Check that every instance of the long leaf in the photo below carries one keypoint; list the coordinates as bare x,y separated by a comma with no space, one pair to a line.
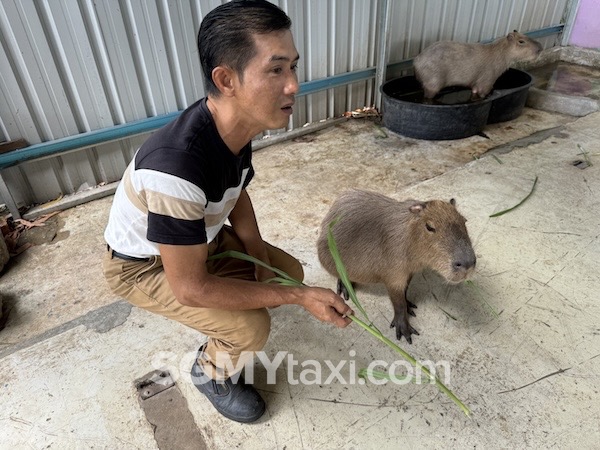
341,269
283,281
379,375
518,204
481,296
252,259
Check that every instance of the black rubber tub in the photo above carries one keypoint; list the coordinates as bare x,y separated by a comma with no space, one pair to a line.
512,87
447,117
452,114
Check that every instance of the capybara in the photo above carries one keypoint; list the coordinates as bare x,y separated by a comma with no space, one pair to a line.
382,240
477,66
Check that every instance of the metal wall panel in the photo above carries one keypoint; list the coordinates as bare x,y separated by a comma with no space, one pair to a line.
71,66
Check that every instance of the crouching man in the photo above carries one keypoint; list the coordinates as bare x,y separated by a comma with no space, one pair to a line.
169,211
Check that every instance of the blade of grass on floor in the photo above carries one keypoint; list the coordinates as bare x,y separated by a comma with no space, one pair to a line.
379,375
585,155
481,297
518,204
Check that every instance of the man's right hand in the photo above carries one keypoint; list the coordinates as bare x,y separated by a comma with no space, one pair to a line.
326,306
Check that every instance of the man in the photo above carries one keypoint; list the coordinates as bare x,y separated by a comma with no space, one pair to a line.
169,212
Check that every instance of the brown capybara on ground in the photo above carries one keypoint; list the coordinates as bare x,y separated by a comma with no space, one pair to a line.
382,240
477,66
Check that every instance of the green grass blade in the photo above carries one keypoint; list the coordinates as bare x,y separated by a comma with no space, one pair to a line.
248,258
518,204
585,155
481,297
379,375
283,281
450,316
339,265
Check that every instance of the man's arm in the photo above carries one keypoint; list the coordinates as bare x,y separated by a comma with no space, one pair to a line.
243,222
185,268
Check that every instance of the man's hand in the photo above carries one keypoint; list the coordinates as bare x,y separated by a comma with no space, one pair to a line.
326,306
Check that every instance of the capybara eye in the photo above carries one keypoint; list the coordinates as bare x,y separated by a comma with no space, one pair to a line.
521,41
429,227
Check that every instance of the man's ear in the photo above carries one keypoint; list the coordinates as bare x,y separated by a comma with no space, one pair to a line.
223,78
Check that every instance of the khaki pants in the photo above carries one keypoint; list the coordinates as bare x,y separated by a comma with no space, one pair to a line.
145,285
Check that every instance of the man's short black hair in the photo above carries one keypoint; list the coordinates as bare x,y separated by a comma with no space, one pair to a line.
225,36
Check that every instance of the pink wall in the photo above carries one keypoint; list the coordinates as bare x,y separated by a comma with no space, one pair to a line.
586,29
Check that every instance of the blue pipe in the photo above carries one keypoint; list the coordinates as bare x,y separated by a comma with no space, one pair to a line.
86,139
543,32
536,34
310,87
104,135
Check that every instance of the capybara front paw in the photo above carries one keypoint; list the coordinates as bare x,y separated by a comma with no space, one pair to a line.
409,308
403,328
341,290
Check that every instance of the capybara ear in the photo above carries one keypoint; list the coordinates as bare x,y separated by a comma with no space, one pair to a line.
417,207
453,202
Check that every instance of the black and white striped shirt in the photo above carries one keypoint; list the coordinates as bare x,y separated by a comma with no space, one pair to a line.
179,188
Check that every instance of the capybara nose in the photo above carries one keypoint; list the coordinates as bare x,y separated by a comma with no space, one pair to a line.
464,263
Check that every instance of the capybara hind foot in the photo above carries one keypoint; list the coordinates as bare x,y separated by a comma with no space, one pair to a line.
403,328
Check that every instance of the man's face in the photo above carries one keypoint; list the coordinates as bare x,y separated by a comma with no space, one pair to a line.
266,94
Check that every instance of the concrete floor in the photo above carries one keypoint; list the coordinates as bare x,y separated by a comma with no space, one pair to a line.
523,345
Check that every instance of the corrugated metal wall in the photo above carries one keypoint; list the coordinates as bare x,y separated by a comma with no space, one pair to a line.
71,66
